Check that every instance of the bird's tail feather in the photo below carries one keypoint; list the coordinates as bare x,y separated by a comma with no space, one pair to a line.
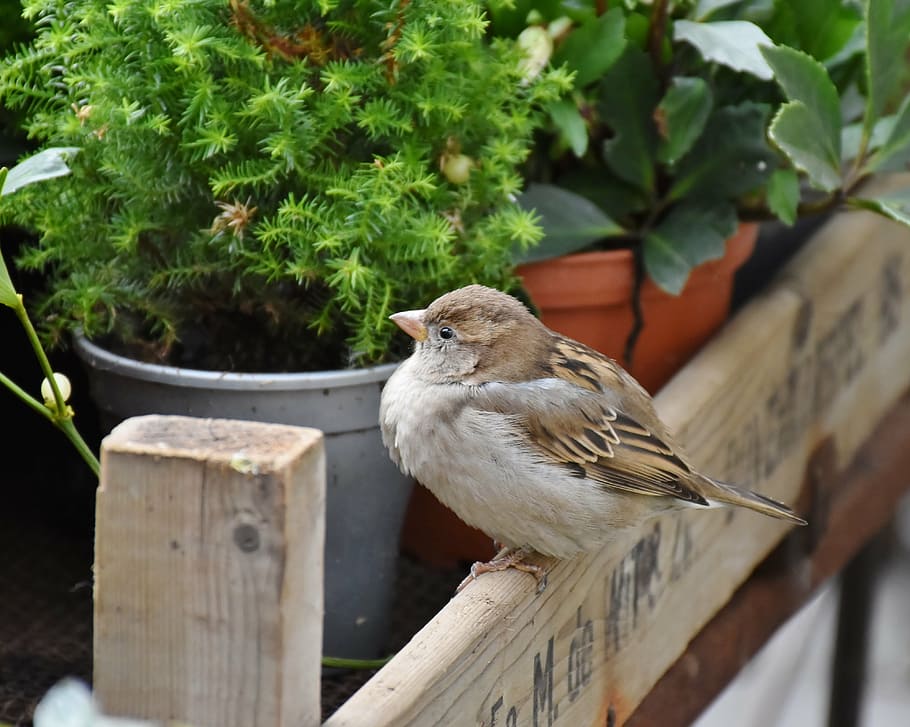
727,494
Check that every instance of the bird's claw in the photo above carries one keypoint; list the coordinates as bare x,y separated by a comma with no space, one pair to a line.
505,559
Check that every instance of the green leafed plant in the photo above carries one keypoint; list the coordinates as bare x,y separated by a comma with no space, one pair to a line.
261,183
687,118
55,390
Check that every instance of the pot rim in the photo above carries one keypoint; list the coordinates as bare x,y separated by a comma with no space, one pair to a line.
105,360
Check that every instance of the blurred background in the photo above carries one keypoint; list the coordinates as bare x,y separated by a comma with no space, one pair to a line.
789,682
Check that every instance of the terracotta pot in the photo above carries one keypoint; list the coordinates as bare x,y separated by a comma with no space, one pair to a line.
587,297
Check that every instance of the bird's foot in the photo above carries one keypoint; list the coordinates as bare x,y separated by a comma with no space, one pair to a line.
507,558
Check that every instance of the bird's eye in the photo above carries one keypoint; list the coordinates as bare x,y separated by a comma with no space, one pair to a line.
446,333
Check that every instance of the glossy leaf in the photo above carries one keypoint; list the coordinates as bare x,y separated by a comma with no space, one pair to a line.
821,28
797,132
628,95
681,117
8,295
783,195
570,124
732,43
704,8
45,164
804,79
894,150
7,291
894,206
730,158
887,38
591,48
690,235
569,221
851,137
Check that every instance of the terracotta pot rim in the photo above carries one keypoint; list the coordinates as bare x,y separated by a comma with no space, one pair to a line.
617,272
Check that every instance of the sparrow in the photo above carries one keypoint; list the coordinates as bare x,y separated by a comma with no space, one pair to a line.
535,439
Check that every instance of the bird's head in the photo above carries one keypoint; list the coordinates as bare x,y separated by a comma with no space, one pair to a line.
475,335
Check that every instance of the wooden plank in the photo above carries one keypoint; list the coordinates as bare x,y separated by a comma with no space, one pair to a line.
208,572
821,354
861,505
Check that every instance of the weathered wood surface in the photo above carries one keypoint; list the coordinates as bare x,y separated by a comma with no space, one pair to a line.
820,356
848,510
208,572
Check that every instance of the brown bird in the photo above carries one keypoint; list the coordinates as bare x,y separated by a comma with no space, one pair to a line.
535,439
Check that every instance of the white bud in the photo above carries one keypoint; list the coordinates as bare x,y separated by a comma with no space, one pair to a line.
63,383
457,168
538,47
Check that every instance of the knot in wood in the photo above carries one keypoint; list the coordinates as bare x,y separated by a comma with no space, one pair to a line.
246,537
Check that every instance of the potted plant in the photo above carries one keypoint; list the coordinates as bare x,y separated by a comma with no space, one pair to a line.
689,123
260,184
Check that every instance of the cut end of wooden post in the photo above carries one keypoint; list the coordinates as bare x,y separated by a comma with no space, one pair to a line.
240,444
209,544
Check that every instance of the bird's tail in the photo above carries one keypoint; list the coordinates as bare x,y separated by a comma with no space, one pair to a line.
727,494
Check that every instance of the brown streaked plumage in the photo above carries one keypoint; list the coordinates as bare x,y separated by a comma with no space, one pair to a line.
535,439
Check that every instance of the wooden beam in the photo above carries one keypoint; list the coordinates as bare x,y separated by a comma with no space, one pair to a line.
208,572
820,356
861,505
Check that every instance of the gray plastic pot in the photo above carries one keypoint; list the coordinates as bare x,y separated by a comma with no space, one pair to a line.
366,494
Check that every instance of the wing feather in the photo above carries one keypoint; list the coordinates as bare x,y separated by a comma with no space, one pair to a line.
574,418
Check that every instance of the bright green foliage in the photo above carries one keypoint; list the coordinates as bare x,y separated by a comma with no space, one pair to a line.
270,167
699,114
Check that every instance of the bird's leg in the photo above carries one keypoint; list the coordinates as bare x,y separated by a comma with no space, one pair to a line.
507,558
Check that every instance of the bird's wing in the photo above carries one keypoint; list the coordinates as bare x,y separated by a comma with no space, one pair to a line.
575,418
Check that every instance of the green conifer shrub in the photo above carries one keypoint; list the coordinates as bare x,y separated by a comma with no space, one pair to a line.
261,183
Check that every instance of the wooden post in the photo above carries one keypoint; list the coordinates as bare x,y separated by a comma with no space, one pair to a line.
208,572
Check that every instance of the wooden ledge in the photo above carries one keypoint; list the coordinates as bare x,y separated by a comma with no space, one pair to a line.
861,503
812,365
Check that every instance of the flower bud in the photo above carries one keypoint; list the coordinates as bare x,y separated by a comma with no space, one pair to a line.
47,393
457,168
538,47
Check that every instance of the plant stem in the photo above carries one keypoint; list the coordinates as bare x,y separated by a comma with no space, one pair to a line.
69,429
656,31
62,415
29,400
342,663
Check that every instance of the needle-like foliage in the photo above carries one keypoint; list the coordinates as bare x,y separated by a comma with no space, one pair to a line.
269,180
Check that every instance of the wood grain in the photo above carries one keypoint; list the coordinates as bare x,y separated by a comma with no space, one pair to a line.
208,572
821,355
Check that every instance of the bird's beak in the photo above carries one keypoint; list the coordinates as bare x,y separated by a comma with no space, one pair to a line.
411,322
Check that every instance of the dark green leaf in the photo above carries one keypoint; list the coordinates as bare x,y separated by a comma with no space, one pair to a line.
45,164
805,79
617,198
854,46
704,8
887,37
682,114
732,43
689,235
895,149
628,96
730,158
796,130
592,48
895,205
783,195
7,290
851,137
821,28
570,222
572,128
